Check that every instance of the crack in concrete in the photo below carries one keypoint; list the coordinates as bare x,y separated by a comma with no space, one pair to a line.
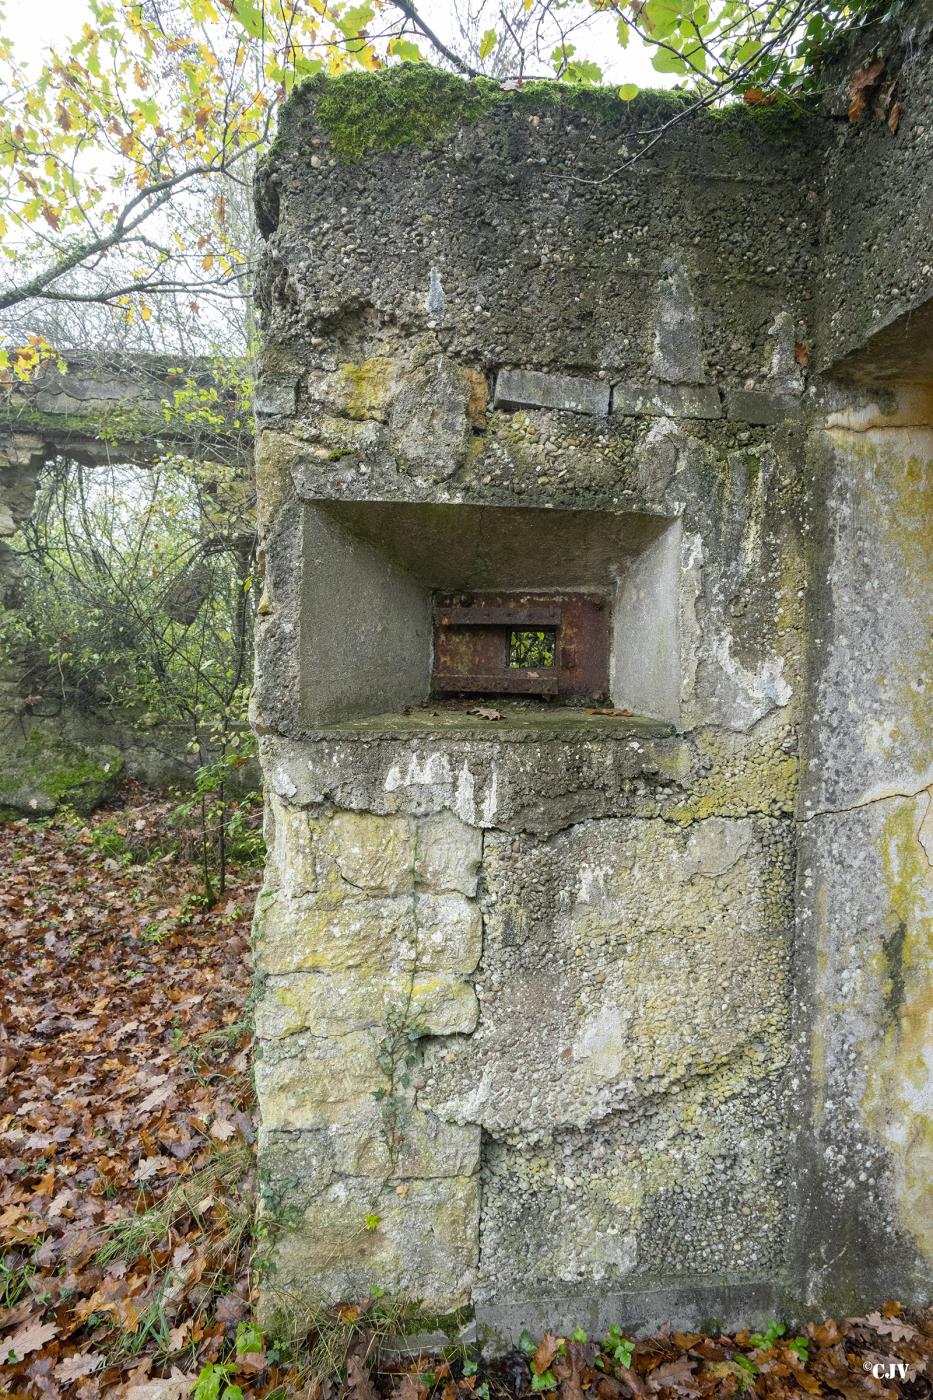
925,787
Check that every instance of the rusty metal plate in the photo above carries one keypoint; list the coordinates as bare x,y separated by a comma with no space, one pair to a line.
473,635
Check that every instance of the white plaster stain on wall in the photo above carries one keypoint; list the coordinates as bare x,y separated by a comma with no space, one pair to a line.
420,772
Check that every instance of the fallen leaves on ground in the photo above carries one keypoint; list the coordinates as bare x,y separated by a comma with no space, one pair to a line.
125,1060
124,1053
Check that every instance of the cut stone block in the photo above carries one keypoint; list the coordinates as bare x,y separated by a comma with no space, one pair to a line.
306,1082
333,1003
449,854
373,853
358,1146
425,1243
678,352
759,406
274,396
440,933
667,400
529,388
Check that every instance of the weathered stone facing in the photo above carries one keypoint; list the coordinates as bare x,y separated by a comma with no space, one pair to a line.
619,877
525,388
369,923
667,400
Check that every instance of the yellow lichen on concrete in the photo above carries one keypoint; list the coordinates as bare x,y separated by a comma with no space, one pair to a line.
896,448
899,1095
275,454
363,389
735,776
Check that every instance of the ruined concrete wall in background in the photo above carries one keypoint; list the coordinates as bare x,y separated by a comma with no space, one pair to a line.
93,409
530,1036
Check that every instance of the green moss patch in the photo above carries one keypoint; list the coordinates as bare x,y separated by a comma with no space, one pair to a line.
46,772
413,104
408,105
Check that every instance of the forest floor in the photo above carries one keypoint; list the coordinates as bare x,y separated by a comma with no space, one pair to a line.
127,1243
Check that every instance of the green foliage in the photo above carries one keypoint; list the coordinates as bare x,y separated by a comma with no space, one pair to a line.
132,599
762,1341
619,1348
15,1278
213,1381
746,1371
138,606
249,1337
396,1057
769,1336
800,1346
109,841
124,119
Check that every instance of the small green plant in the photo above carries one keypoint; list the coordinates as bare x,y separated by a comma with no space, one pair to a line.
153,1328
213,1383
14,1279
245,843
578,1335
618,1347
109,841
395,1052
249,1338
800,1346
769,1336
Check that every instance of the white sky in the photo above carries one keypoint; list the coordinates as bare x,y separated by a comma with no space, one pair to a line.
33,27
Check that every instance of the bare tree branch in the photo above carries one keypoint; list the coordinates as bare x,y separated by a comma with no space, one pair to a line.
409,11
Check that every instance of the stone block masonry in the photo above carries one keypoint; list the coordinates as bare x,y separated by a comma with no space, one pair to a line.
573,1017
518,388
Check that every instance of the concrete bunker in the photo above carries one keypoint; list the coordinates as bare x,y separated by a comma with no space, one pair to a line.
644,960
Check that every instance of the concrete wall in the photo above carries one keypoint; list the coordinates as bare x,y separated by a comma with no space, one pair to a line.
365,627
646,657
610,939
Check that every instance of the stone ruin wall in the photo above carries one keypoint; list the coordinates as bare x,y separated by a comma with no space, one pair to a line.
662,977
93,409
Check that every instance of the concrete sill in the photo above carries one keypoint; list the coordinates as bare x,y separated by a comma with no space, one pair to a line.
520,721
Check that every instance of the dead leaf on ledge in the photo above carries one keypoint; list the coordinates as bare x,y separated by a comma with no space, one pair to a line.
481,712
613,714
861,84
